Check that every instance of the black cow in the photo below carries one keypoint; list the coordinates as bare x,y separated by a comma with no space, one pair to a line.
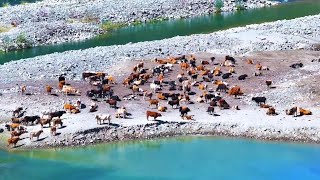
184,111
296,65
56,114
226,75
208,97
30,119
242,77
259,100
174,102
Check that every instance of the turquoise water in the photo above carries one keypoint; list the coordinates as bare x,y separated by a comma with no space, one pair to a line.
15,2
180,158
167,29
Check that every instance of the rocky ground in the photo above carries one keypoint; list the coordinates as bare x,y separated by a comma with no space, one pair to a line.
293,87
56,21
300,33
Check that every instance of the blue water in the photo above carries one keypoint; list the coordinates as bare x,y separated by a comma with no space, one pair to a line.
179,158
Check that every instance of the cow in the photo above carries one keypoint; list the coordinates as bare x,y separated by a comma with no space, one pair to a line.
45,121
174,102
30,119
75,111
223,104
235,91
271,111
48,89
242,77
268,83
69,90
53,131
121,112
184,110
293,111
162,108
210,110
147,94
17,133
69,107
187,117
154,87
204,62
35,134
208,97
56,114
153,114
112,103
23,89
103,117
13,126
61,84
17,112
16,120
296,65
154,102
259,100
249,61
265,106
13,141
226,75
304,112
57,121
222,88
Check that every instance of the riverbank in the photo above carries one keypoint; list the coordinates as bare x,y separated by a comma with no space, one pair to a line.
292,87
300,33
52,21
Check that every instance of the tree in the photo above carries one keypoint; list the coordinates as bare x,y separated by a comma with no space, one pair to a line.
218,4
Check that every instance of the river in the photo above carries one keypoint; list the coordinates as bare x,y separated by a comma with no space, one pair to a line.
177,158
181,27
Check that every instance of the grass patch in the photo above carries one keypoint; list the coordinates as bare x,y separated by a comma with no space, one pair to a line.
6,5
110,26
4,29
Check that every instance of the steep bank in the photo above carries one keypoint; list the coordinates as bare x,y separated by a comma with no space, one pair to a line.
55,21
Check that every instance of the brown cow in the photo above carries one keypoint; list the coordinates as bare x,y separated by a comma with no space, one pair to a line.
48,89
53,131
35,134
112,103
17,133
68,107
271,111
13,141
293,111
45,121
23,89
236,91
153,114
304,112
153,102
56,121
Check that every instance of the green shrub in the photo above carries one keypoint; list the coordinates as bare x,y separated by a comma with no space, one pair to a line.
239,5
110,26
6,5
218,4
21,39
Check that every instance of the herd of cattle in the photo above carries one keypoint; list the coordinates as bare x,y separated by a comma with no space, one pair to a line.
195,81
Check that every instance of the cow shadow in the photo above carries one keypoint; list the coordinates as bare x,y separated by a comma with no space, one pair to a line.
215,114
112,124
55,94
192,93
158,121
62,127
19,145
57,134
41,139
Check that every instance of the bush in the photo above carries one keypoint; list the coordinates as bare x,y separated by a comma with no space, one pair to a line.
110,26
239,5
21,39
218,4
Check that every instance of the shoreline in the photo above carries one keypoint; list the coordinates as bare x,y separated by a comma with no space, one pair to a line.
52,21
174,130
